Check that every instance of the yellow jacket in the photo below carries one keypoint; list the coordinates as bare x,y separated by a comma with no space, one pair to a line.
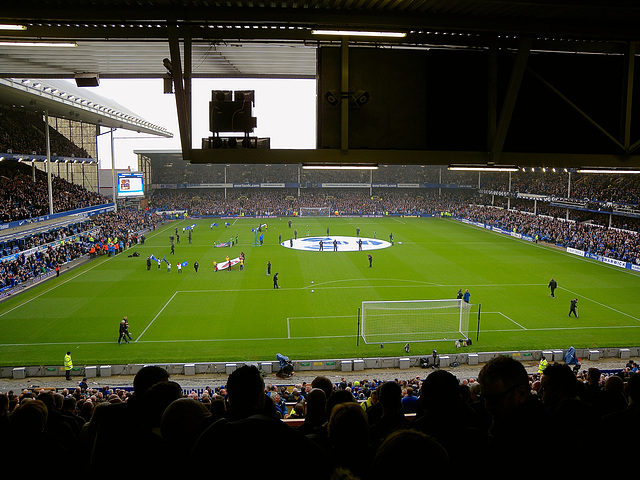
542,365
68,363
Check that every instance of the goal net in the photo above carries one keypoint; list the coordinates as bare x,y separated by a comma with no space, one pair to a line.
414,321
315,211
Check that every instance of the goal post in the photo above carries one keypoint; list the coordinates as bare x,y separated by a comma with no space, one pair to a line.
401,321
315,211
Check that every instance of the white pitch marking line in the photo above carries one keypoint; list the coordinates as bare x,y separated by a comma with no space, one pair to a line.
155,233
55,286
512,321
315,318
553,329
154,318
602,304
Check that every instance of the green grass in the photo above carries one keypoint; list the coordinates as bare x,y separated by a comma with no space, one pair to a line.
238,316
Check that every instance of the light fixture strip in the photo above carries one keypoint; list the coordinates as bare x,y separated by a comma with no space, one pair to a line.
12,27
339,167
38,44
359,33
483,169
606,171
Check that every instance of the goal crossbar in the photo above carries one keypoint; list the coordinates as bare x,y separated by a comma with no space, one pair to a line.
315,211
399,321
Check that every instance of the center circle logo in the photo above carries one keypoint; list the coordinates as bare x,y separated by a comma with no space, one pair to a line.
335,243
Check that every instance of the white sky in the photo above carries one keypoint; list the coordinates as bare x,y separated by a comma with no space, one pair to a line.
285,112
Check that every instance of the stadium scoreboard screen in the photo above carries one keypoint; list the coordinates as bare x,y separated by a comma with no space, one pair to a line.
130,185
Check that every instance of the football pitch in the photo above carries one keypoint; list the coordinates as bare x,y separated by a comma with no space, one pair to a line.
237,315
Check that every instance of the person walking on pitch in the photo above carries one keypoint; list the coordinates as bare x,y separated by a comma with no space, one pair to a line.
122,333
574,307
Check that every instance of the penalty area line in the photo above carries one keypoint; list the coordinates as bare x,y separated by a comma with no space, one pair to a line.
508,318
314,318
512,320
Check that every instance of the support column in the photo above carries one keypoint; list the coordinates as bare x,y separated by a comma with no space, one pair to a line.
48,140
344,98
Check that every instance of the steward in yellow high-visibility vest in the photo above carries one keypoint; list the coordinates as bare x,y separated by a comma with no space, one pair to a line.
68,365
542,365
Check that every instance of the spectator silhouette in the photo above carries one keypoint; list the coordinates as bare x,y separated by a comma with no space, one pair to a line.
392,418
445,417
613,398
182,422
114,422
411,444
620,428
69,411
348,439
592,393
372,406
338,397
566,411
59,428
315,416
515,412
255,429
31,444
323,383
4,415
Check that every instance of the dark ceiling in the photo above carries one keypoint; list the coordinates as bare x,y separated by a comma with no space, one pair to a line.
243,38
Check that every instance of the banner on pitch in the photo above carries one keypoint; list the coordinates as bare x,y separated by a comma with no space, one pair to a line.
225,265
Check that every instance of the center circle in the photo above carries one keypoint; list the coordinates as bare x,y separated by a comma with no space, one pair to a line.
342,244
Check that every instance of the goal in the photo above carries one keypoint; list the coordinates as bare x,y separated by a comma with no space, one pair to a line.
315,211
414,321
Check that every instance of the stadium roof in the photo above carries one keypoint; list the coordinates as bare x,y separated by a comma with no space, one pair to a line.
248,38
120,39
64,99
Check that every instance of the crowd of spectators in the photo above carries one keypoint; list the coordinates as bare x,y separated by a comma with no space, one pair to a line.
22,196
610,242
176,173
355,430
597,188
264,201
94,236
22,132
